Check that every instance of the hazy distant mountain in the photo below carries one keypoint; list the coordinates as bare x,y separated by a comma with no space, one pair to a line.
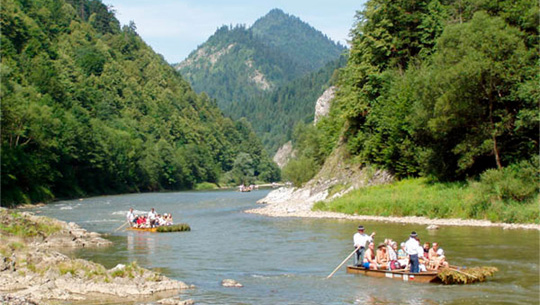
237,63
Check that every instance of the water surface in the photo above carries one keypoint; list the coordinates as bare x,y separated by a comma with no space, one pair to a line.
286,260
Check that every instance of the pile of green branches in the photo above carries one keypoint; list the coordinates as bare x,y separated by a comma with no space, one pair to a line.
175,228
454,275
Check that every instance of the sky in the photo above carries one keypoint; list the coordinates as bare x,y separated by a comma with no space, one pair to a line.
174,28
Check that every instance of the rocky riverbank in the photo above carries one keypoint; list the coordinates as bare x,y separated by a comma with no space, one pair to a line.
33,271
291,202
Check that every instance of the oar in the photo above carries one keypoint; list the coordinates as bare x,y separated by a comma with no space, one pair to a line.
120,227
343,262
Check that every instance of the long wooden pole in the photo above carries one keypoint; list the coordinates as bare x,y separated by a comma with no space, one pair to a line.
467,274
343,262
120,227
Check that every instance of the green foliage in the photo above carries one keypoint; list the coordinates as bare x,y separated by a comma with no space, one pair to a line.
313,147
300,170
89,108
508,195
271,73
21,226
180,227
439,89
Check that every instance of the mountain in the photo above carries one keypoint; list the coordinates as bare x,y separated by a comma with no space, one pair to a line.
88,108
238,62
270,73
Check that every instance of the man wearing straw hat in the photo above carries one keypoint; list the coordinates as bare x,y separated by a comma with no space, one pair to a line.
360,239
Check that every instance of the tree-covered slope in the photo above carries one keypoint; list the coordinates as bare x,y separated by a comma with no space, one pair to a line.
305,45
445,89
274,114
238,62
89,108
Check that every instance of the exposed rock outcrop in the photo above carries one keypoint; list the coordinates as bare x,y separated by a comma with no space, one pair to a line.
284,154
33,272
336,178
322,107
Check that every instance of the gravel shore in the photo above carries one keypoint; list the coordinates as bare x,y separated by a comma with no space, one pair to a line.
289,202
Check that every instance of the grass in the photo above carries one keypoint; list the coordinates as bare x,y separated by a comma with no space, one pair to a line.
204,186
19,225
418,197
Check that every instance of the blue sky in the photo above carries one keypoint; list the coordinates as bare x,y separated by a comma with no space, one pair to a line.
174,28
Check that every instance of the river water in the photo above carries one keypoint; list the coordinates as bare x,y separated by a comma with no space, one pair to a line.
286,260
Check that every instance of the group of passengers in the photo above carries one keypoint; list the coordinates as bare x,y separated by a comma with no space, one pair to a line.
151,220
387,256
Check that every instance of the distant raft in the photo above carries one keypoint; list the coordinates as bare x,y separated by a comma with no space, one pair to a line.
181,227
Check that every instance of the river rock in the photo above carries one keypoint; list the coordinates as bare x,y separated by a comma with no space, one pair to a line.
173,301
231,283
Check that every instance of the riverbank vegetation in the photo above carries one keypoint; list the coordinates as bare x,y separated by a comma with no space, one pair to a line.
88,109
442,90
508,195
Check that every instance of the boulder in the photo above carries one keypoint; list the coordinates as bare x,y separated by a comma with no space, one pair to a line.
231,283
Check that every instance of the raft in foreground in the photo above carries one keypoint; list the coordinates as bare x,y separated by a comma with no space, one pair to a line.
446,275
181,227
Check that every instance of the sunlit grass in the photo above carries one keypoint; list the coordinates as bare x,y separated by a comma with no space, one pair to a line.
418,197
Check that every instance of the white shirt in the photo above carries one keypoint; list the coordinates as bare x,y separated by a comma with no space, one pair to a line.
440,252
152,215
360,240
392,255
411,246
130,216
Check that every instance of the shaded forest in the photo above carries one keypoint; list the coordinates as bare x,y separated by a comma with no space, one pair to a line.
89,108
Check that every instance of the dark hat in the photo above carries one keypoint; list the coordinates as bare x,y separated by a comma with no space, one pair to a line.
413,234
360,228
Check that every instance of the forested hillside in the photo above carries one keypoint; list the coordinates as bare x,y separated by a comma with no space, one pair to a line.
89,108
271,73
446,90
274,114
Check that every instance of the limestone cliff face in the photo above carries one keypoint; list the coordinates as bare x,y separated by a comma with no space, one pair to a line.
284,154
322,107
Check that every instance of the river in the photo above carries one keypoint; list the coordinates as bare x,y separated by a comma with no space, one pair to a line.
286,260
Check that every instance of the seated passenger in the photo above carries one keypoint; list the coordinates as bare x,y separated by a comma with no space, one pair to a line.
403,258
369,257
382,257
437,258
423,262
426,251
169,220
160,221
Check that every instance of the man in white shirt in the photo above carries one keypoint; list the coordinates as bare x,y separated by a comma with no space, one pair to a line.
360,239
152,217
130,217
412,246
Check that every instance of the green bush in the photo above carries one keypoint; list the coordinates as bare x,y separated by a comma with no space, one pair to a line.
517,182
300,170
